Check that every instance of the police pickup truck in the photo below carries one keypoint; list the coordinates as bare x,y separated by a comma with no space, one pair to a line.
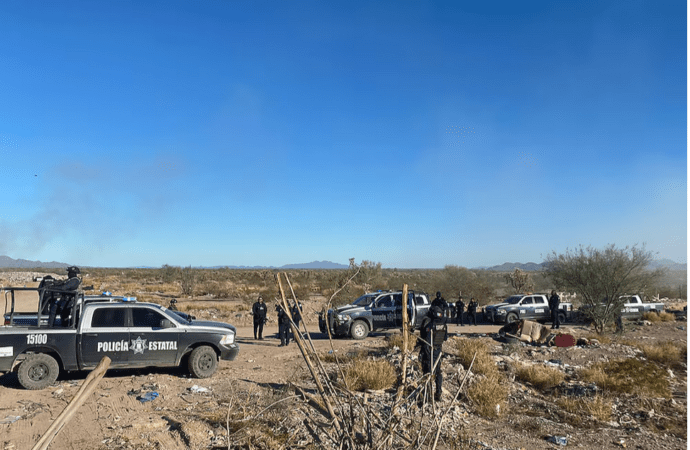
526,306
631,307
374,311
131,334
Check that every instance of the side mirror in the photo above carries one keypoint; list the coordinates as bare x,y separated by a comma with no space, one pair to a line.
165,323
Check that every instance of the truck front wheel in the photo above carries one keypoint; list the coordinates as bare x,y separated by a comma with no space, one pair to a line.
511,317
203,362
359,330
38,371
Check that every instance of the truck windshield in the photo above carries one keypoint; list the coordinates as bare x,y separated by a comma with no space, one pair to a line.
514,299
364,300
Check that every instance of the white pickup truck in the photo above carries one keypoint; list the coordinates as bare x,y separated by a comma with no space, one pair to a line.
634,307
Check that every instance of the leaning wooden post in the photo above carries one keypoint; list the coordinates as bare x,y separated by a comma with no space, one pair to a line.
404,336
300,344
66,415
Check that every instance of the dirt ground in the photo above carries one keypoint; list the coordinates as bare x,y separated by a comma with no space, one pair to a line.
190,413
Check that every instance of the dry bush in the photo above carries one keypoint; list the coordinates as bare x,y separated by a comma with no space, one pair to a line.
483,363
489,395
632,376
602,338
364,374
597,407
396,340
667,353
541,377
667,316
651,317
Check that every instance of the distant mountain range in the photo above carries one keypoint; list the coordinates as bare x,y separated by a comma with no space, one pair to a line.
532,267
7,262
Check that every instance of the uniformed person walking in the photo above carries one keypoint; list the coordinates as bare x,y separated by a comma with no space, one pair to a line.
283,326
296,312
259,311
460,311
472,311
433,333
554,303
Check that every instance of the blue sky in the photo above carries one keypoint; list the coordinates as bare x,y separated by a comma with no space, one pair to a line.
415,134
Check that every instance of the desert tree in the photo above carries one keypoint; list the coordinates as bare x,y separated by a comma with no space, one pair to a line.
187,280
520,280
601,276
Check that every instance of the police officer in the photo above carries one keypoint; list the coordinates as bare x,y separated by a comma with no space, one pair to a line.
296,312
554,303
64,301
259,311
173,305
283,326
433,333
459,311
472,311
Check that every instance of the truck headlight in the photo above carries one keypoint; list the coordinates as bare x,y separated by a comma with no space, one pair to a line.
500,312
343,317
228,339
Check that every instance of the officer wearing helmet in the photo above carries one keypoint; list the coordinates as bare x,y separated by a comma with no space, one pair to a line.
433,333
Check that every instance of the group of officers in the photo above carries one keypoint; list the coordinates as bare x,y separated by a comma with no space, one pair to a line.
260,313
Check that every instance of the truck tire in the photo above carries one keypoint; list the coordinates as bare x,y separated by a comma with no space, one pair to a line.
38,371
202,362
359,330
561,318
511,317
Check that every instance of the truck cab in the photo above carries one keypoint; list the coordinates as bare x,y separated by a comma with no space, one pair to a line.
525,306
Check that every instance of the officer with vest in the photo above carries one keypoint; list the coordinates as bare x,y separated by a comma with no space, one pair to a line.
472,311
63,302
460,311
296,312
259,311
554,304
283,326
433,333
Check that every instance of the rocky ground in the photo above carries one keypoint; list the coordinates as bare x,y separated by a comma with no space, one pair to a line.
252,403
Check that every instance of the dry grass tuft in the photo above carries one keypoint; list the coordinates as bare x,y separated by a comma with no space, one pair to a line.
483,363
597,407
642,378
667,353
396,340
539,376
651,317
364,374
489,395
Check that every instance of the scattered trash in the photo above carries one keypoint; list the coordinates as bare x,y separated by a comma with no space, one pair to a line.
10,419
198,389
148,397
558,440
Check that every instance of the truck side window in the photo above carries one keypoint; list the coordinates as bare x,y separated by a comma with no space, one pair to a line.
144,317
385,302
108,318
528,301
397,299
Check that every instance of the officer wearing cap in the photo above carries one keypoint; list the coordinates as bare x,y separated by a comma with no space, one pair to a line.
433,333
259,312
283,326
296,312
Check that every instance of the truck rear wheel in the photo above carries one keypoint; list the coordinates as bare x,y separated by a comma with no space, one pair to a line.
203,362
561,318
359,330
38,371
511,317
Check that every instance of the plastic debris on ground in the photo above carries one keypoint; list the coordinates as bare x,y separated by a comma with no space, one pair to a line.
148,397
558,440
198,389
10,419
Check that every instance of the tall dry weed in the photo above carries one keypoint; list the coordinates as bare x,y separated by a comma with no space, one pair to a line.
541,377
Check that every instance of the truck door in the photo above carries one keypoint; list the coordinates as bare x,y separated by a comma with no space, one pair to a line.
104,334
151,343
383,312
541,308
527,308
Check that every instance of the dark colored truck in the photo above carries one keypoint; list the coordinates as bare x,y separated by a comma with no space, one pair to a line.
526,306
131,334
374,311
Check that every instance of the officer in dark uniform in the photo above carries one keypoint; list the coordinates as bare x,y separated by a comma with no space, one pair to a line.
433,333
283,326
440,302
472,311
619,321
64,301
48,296
459,311
259,311
173,305
554,303
296,312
